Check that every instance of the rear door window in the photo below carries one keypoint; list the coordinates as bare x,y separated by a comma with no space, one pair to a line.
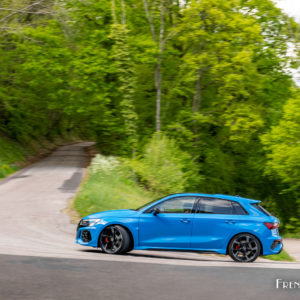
220,206
215,206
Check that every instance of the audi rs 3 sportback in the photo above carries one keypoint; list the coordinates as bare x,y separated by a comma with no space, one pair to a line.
221,224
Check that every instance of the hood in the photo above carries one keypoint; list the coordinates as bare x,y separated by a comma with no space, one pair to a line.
120,213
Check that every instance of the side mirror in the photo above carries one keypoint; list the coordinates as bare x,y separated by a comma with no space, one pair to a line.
155,211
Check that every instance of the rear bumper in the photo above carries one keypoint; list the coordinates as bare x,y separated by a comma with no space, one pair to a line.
281,248
272,246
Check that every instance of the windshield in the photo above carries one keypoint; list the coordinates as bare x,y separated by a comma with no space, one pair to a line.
145,205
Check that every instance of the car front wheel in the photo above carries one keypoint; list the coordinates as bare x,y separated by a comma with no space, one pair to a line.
114,240
244,248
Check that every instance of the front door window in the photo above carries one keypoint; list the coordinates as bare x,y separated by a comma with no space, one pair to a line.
181,205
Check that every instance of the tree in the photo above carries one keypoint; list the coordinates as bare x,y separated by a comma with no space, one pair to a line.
282,145
123,67
156,14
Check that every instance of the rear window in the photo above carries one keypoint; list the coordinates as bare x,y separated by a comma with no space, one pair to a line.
261,209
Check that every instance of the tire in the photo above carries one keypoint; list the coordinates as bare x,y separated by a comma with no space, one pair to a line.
244,247
114,239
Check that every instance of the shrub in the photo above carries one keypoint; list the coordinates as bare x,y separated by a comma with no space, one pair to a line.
164,168
6,170
110,185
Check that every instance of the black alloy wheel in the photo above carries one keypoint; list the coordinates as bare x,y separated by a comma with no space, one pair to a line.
244,248
114,240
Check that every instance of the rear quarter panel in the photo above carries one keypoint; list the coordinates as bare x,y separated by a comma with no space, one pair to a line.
253,223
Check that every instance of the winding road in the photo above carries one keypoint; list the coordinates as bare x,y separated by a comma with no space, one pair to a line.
39,259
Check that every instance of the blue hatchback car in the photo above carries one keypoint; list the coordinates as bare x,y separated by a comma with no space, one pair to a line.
221,224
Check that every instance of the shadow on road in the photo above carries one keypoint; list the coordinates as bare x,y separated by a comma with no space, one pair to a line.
203,257
159,256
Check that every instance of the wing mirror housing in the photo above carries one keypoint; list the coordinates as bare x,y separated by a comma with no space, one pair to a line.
155,211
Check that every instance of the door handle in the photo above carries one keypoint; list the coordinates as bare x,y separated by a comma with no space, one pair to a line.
230,221
185,220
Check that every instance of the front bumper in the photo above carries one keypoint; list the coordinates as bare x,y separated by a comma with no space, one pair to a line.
88,236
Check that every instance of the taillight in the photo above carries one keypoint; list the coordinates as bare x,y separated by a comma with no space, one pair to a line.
271,225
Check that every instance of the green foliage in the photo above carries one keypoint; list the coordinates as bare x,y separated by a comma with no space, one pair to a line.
229,111
282,144
292,235
123,68
293,225
164,168
110,185
283,160
6,170
10,154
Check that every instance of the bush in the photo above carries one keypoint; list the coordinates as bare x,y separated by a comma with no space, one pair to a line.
104,164
6,170
116,183
164,168
10,153
110,185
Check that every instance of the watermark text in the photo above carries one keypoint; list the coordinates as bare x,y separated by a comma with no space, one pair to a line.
287,284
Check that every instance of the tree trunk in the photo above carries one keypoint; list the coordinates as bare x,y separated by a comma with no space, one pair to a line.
123,12
196,103
197,96
113,11
149,19
157,72
158,75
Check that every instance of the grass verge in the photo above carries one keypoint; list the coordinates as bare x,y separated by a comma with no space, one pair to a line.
110,185
14,155
283,256
292,235
11,156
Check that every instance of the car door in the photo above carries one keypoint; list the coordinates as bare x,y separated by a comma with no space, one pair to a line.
171,227
215,220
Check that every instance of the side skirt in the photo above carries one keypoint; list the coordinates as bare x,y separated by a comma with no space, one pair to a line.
214,251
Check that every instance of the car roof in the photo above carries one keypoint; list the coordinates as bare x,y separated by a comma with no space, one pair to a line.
220,196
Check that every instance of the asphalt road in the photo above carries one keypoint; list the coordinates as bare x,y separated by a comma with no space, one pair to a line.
39,259
37,278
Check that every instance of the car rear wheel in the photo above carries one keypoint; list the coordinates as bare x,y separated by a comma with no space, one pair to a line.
244,248
114,240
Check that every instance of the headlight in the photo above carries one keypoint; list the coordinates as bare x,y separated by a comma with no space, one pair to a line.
90,222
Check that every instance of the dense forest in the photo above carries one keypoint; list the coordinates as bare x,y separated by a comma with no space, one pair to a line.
203,85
